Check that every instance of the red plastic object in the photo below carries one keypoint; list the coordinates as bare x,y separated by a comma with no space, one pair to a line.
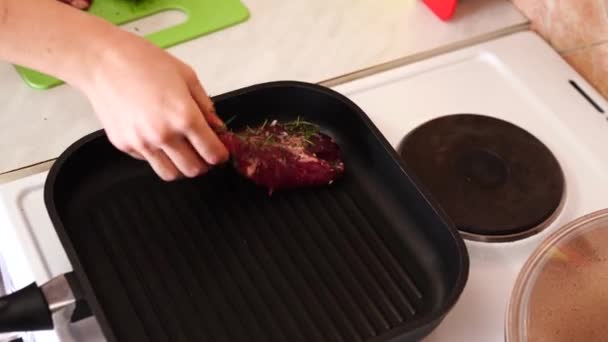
444,9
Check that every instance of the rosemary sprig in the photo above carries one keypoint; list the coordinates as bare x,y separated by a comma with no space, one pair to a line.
298,123
307,141
305,129
269,139
227,122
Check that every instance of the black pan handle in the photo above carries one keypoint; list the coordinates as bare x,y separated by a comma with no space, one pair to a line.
25,310
32,307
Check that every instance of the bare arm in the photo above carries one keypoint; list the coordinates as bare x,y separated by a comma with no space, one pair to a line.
152,105
51,37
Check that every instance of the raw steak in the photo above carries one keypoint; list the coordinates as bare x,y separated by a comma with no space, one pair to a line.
282,156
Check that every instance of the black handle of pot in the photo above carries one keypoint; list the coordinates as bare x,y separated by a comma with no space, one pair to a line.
25,310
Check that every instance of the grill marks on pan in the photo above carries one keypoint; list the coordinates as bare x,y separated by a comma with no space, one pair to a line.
149,261
309,260
384,314
311,268
249,256
129,275
227,307
336,274
368,236
296,288
185,269
230,247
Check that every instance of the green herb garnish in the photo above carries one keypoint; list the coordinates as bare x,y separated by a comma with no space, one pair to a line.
264,124
227,122
269,139
304,128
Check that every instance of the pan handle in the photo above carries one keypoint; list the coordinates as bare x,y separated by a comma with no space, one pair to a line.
31,308
25,310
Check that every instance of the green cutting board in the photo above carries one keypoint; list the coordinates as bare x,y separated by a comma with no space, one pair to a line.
204,16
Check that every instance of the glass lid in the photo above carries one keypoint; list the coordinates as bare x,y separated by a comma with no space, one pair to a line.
561,294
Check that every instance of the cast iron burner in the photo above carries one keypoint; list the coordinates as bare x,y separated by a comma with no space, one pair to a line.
496,181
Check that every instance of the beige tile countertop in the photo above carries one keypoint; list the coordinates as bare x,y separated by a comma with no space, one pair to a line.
313,40
578,30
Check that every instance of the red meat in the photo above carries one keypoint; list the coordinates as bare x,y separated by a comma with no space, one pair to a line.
284,156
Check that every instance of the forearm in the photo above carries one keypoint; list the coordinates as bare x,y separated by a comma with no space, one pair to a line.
53,38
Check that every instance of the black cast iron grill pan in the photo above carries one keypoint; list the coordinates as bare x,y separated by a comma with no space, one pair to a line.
216,258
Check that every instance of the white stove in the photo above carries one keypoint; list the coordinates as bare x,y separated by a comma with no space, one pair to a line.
518,78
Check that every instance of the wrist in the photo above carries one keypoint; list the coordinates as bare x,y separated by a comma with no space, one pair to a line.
97,48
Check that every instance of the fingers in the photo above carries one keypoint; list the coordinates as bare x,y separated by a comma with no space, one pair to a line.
206,143
174,132
202,135
170,160
185,158
124,146
205,104
183,145
161,164
172,151
135,155
199,130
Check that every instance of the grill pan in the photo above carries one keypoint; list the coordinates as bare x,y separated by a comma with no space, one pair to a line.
369,258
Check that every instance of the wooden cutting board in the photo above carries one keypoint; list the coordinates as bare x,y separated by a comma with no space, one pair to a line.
204,17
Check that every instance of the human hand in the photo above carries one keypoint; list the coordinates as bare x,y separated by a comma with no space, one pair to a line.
153,107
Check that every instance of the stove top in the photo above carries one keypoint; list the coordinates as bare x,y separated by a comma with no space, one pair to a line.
496,181
518,80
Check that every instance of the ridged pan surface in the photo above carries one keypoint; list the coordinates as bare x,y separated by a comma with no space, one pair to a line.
216,258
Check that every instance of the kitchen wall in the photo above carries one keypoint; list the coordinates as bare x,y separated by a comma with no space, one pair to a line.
578,29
